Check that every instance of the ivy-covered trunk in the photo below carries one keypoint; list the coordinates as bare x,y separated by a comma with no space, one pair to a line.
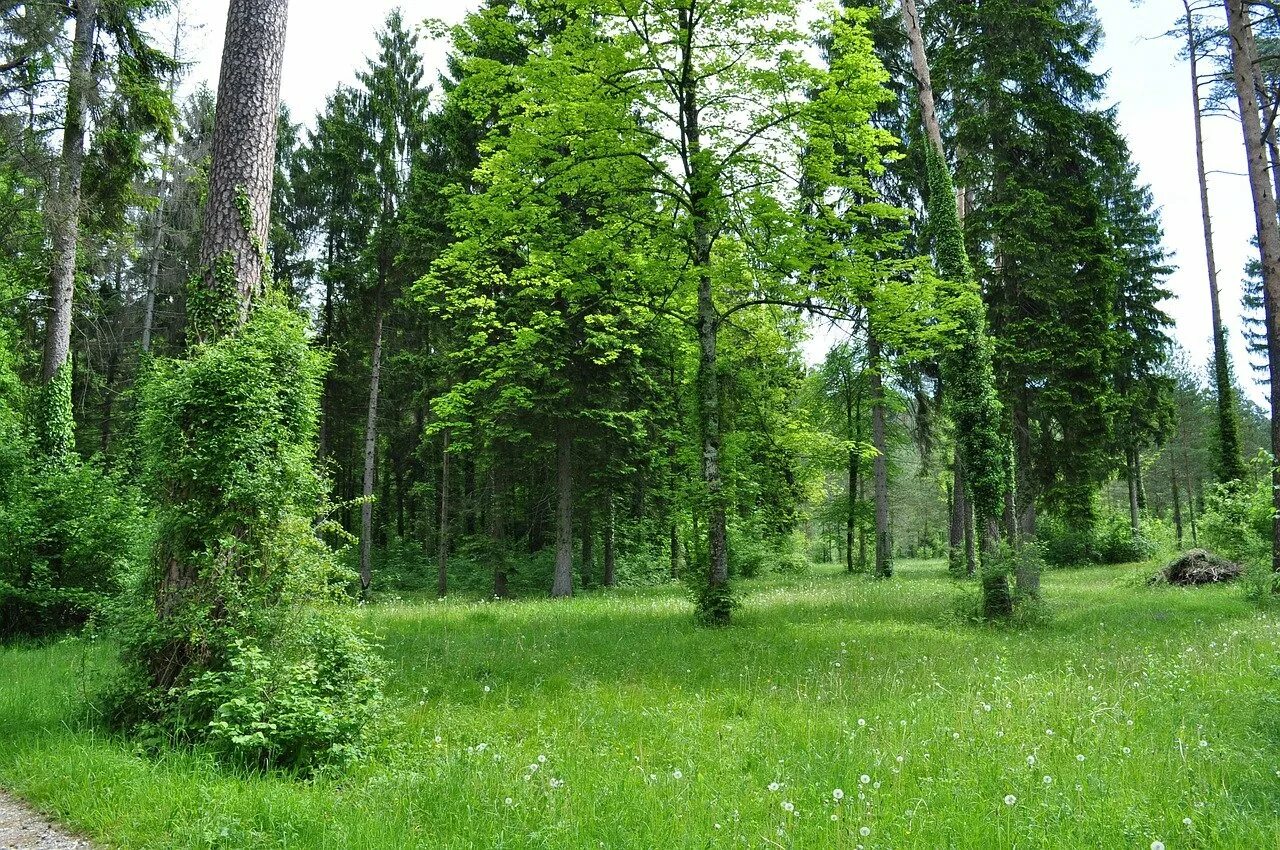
55,429
959,513
967,368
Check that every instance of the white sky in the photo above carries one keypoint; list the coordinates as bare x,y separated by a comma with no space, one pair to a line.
329,39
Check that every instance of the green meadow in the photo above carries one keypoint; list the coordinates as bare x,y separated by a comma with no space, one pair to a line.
838,712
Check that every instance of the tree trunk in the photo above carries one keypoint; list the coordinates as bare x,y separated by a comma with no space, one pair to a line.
157,241
327,389
370,456
1131,476
1177,502
1244,61
233,245
970,547
610,556
563,582
588,545
242,168
880,467
497,537
442,539
55,429
924,80
1230,464
674,531
853,425
959,513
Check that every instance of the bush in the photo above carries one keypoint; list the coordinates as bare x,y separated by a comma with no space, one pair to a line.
70,536
1109,539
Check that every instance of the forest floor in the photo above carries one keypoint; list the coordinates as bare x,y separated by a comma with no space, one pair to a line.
1128,715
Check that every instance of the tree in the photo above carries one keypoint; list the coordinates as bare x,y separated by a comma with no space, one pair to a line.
968,369
1244,63
1231,464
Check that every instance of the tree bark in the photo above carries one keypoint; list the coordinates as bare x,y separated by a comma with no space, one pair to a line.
562,584
370,456
238,211
588,545
1131,476
702,191
880,467
853,423
497,537
959,513
970,547
924,79
1244,61
610,556
1230,464
157,241
1177,502
442,539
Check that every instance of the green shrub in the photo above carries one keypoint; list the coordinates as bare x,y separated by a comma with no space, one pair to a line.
70,536
1115,543
300,702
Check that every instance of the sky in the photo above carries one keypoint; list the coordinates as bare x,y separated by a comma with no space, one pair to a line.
328,40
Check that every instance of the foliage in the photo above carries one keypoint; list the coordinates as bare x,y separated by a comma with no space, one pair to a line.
71,536
301,701
1108,540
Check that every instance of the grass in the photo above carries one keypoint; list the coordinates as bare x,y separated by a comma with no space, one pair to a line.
1142,706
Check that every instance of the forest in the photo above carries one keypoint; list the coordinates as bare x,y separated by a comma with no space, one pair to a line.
665,423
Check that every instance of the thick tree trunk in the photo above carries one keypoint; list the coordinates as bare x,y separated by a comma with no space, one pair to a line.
610,556
370,455
238,211
562,584
1244,61
1230,464
924,80
442,539
880,467
241,172
54,428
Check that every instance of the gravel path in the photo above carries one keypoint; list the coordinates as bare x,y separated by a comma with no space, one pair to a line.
22,828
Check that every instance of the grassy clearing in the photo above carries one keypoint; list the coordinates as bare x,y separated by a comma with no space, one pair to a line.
1127,712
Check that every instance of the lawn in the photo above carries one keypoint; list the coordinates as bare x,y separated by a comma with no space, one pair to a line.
1130,715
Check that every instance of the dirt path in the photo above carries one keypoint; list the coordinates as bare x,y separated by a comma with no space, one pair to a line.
23,828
